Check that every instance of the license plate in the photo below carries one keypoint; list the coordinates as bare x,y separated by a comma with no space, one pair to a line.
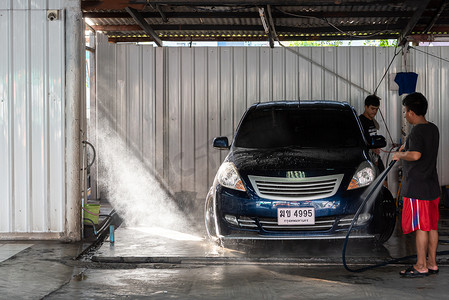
296,216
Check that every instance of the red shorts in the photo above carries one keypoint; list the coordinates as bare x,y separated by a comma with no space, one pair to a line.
419,214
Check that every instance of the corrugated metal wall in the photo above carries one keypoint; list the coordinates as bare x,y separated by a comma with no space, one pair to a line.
433,83
32,103
169,103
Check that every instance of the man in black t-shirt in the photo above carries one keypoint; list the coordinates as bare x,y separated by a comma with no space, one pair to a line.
420,186
370,126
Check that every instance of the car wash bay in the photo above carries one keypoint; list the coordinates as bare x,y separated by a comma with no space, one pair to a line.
152,122
158,110
160,249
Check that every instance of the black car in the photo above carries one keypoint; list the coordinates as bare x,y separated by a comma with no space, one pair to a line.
297,170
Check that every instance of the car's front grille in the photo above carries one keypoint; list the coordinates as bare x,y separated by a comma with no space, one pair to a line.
281,188
321,224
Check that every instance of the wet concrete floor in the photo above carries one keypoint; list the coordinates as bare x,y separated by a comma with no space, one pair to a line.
154,244
48,271
159,263
250,282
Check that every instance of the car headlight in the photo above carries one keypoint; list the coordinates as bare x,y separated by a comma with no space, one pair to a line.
364,175
228,177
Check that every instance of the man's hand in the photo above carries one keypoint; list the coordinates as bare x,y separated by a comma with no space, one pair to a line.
396,156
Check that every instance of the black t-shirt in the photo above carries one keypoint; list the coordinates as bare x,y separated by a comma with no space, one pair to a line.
369,127
420,179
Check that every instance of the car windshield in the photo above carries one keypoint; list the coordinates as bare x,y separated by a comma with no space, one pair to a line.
304,128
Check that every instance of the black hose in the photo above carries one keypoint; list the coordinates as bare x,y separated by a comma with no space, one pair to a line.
93,159
113,219
371,192
93,224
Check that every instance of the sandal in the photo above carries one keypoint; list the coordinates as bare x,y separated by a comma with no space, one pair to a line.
434,271
411,272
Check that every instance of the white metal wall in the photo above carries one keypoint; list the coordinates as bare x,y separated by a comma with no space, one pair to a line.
32,103
169,103
433,83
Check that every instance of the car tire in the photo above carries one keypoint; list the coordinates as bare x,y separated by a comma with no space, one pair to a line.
384,217
209,218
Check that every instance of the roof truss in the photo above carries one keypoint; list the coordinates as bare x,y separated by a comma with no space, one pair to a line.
224,20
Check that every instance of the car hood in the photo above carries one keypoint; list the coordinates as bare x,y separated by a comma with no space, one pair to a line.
248,160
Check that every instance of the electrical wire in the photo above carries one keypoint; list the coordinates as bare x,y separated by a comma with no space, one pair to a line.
386,72
377,87
332,25
320,65
350,34
443,59
299,16
396,52
231,9
388,68
386,127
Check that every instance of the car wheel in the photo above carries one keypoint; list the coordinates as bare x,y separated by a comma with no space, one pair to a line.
385,217
209,218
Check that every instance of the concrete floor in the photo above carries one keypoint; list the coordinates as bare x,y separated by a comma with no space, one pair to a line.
250,281
159,263
48,271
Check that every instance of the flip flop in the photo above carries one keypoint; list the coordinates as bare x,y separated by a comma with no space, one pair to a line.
434,271
411,272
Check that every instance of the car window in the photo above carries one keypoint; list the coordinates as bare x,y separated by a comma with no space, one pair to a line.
305,128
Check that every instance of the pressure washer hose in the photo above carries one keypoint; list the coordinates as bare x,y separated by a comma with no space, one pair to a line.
371,192
379,181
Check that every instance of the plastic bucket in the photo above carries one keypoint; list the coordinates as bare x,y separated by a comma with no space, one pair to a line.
91,212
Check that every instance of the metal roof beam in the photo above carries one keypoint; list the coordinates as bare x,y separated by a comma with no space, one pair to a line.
435,18
265,2
266,27
145,26
110,4
87,5
422,4
237,39
163,16
255,28
435,30
243,15
273,33
117,27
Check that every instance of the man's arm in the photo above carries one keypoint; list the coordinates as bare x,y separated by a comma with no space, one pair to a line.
407,155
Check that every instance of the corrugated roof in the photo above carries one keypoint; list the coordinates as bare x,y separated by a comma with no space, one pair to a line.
224,20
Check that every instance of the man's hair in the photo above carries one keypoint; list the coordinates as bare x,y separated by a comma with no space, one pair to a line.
372,100
417,103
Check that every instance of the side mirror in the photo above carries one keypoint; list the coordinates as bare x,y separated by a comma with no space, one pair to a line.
221,143
377,141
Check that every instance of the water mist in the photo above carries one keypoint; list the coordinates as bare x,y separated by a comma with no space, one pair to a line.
131,187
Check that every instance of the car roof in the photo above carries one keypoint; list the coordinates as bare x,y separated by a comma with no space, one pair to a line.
310,104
